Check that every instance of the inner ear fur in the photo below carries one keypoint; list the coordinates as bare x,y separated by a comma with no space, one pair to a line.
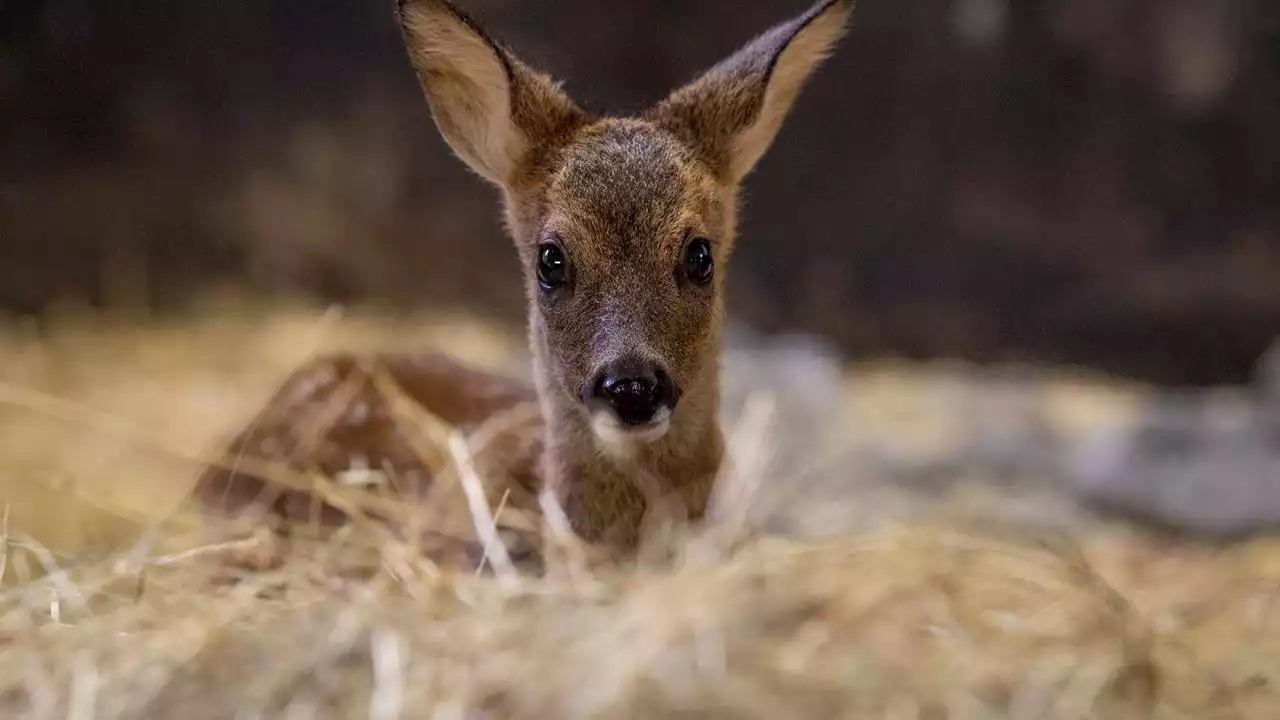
732,112
491,108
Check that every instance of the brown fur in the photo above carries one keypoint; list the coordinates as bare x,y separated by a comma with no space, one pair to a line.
622,197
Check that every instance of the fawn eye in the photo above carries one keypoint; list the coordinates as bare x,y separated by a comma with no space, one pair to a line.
697,261
553,269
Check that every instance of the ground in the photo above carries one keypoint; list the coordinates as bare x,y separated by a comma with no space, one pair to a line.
839,601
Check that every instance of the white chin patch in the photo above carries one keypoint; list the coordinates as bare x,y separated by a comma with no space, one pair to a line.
624,440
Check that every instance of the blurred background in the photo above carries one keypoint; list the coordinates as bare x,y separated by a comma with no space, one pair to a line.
1009,262
1007,255
1071,182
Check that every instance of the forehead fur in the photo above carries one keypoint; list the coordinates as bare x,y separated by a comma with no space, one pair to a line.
628,178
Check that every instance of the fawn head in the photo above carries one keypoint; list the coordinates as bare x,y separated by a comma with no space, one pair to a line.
623,225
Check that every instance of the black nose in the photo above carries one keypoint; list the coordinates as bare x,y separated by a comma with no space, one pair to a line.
634,389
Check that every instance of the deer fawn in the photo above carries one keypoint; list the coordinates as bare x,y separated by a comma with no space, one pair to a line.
624,227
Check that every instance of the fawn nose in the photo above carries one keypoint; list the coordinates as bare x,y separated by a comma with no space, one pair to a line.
635,390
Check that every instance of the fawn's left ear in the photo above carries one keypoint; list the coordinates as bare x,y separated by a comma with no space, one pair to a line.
491,108
732,113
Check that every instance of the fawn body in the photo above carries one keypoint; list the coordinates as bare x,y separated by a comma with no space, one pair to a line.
623,227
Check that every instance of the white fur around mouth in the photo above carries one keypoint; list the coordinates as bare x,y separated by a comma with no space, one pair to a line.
623,439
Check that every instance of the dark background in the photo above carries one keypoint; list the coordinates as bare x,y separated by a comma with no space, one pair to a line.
1092,182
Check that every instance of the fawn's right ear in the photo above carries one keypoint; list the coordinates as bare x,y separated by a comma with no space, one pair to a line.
733,111
490,107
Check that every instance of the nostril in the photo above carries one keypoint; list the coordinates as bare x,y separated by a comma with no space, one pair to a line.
661,380
611,387
658,390
635,387
666,390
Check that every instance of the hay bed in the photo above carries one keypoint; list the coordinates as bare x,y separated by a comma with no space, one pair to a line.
116,603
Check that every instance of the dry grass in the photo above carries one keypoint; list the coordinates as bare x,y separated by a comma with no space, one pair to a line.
117,602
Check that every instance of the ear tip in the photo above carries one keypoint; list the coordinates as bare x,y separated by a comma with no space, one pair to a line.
836,15
841,10
402,4
836,5
404,7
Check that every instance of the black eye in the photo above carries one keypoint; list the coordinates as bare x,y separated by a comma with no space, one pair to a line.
553,269
697,261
